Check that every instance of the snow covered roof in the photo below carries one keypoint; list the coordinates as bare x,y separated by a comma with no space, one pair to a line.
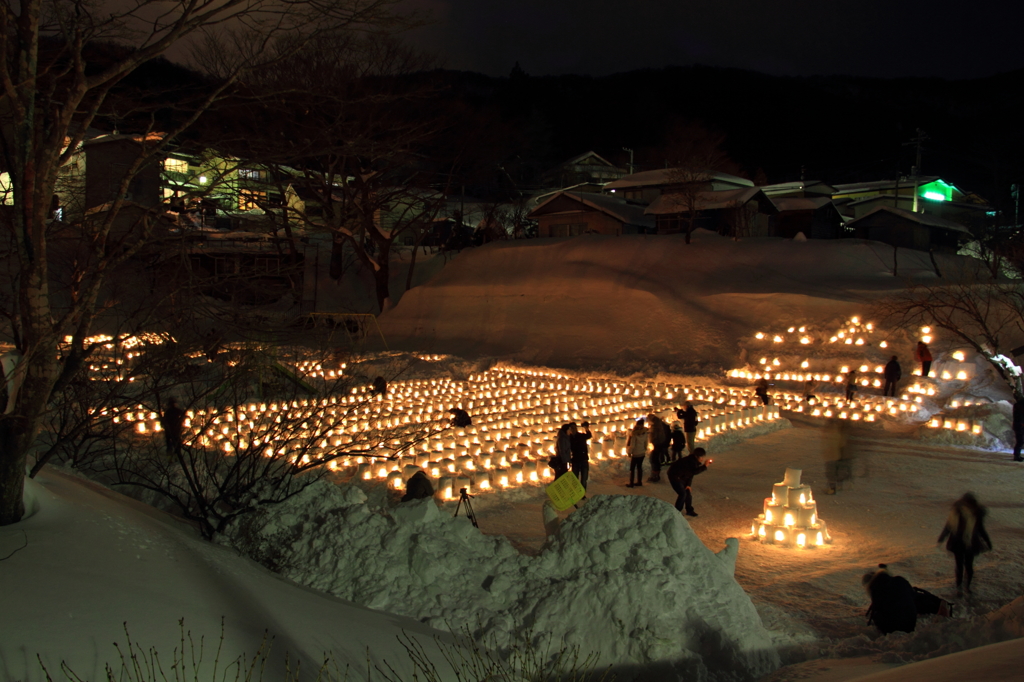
667,204
620,209
809,186
905,182
800,203
671,176
926,219
589,155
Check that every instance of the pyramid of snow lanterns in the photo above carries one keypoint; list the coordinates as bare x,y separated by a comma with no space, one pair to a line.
790,515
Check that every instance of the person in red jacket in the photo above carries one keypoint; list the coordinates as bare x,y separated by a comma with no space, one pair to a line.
924,356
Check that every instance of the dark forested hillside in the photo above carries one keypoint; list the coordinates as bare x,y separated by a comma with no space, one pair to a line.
838,128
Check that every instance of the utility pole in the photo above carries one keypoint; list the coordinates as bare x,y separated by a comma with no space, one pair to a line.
631,167
916,171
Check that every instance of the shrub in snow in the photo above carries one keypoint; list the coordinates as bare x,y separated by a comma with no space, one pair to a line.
626,579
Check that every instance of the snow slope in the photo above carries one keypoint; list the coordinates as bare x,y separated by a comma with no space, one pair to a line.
636,299
93,559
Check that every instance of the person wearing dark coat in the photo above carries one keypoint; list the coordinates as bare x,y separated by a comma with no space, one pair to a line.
1018,427
690,421
851,384
965,537
660,436
460,418
761,390
172,422
579,453
893,608
380,387
680,475
678,442
892,374
418,487
563,449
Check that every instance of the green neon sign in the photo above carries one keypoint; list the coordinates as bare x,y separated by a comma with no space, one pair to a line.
936,191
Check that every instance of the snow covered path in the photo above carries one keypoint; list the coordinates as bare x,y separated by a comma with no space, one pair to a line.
891,512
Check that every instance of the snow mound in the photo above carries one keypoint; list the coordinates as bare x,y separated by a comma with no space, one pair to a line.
626,579
629,301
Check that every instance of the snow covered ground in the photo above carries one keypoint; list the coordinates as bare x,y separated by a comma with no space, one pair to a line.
633,305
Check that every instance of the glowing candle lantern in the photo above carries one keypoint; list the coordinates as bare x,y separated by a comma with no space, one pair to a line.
961,375
780,535
959,356
801,540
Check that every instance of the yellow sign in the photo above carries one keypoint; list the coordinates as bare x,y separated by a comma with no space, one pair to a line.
566,491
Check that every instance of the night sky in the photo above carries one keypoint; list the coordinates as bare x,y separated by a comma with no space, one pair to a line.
881,38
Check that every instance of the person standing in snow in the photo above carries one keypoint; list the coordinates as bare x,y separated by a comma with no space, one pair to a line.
965,530
851,384
680,476
579,453
892,373
810,386
678,441
563,449
1018,427
172,422
690,421
380,387
761,390
636,444
660,437
924,356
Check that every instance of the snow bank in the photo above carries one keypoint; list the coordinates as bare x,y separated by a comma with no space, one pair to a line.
87,562
626,579
624,301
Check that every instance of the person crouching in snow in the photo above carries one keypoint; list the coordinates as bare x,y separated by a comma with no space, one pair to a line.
636,445
681,474
965,530
892,602
418,487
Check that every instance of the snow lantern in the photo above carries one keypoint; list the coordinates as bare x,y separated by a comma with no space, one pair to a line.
790,515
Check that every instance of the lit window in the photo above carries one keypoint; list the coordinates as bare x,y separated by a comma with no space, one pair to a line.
175,165
249,174
250,199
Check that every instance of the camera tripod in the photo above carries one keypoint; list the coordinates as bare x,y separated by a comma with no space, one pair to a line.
470,514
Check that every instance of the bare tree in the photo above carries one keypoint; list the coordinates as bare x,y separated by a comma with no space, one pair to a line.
59,64
696,155
356,152
985,314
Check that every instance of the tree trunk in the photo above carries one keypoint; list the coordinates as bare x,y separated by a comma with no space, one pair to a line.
382,274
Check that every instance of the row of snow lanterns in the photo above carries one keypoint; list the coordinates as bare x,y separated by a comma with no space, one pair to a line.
498,469
616,400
